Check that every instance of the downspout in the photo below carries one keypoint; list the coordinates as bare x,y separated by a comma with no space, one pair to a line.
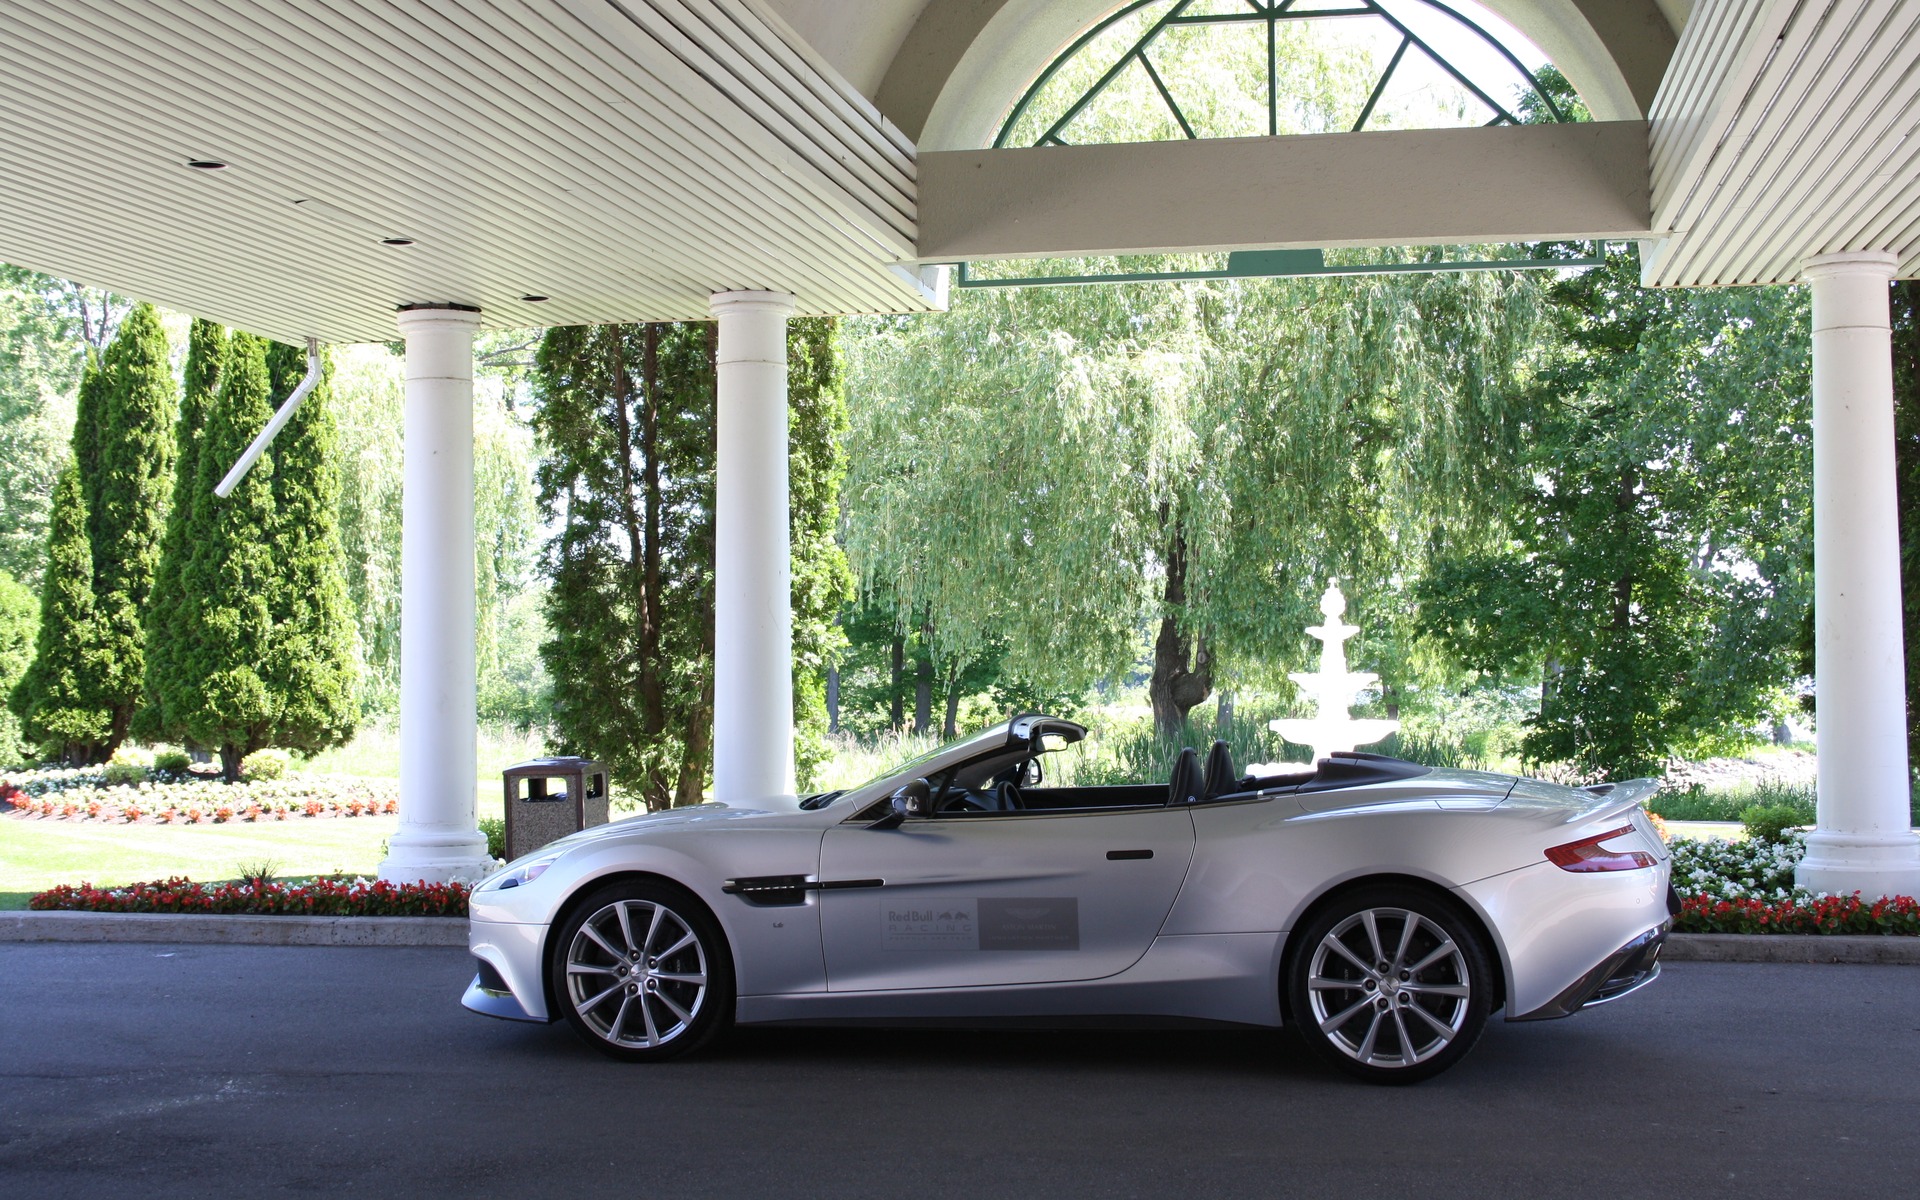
279,421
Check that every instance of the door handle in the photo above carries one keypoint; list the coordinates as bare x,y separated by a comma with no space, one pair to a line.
1121,854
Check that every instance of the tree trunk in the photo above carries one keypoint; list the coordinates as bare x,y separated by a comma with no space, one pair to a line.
833,699
923,696
696,744
896,712
950,728
1182,666
1391,696
646,561
231,756
1223,716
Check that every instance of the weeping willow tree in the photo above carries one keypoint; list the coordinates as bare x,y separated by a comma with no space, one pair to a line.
1059,467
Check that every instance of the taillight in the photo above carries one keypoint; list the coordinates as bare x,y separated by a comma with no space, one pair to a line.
1588,854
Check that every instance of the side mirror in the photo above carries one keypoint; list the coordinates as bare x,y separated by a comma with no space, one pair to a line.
913,799
1031,775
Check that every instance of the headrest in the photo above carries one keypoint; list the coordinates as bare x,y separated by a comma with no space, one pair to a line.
1220,773
1186,787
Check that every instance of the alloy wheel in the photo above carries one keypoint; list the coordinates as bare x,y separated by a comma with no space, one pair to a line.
1389,988
636,974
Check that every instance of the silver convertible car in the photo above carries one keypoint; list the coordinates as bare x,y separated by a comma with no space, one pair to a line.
1383,908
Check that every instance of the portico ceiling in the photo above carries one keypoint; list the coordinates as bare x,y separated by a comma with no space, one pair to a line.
1786,129
625,158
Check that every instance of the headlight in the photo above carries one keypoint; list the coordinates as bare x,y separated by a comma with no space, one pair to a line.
519,873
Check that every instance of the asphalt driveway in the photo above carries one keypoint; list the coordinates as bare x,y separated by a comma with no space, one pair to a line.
214,1070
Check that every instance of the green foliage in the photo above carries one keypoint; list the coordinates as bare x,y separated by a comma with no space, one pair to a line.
822,581
1770,822
172,762
40,365
219,688
264,765
1905,299
1652,571
167,635
126,768
17,624
57,698
495,829
368,398
625,420
126,488
313,668
1050,470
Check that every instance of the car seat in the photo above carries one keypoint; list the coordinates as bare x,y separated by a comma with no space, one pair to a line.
1185,787
1221,776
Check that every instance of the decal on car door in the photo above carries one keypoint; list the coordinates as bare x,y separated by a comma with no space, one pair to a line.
982,923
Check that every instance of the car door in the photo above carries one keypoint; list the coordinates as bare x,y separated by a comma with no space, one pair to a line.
998,898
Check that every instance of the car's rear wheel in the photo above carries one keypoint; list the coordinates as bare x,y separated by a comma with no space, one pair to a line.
642,972
1391,984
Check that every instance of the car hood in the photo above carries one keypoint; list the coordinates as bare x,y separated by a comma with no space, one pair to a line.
646,824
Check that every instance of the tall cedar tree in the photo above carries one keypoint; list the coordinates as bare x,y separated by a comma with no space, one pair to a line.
1906,441
221,694
313,669
626,419
822,581
167,648
126,497
75,720
56,700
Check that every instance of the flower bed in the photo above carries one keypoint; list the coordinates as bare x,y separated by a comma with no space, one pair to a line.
84,795
1898,915
320,897
1747,887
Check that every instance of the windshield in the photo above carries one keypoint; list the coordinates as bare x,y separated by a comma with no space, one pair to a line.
965,748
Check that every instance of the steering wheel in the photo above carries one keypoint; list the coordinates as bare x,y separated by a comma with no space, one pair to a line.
1008,793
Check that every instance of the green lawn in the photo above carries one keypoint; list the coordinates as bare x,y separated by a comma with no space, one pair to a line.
36,854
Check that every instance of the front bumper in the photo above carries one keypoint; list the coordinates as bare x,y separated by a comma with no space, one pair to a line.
489,996
1628,969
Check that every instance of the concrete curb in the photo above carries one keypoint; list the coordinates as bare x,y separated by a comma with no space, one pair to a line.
232,930
185,928
1790,948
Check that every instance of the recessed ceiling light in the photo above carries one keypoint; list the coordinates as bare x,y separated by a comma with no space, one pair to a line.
207,164
396,241
534,299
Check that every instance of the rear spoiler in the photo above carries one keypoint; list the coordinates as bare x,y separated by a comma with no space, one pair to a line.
1624,794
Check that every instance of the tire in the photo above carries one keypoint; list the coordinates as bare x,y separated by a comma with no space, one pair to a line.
642,972
1390,984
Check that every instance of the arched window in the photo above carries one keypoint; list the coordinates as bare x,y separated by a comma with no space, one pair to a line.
1168,69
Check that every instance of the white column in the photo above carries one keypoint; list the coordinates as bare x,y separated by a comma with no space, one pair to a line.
439,839
1862,843
752,573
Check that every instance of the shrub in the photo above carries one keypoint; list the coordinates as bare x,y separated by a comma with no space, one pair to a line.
496,830
1769,822
1898,915
172,762
125,768
265,764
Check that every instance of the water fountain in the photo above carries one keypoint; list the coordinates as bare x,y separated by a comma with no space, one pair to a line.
1332,689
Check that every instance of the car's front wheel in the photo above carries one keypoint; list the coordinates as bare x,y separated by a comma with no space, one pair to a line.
1391,984
642,971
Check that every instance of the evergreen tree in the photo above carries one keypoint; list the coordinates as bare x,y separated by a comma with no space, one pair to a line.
18,619
55,700
126,497
218,689
312,669
626,424
166,650
822,581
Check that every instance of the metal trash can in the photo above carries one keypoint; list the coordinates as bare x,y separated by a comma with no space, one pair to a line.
549,798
